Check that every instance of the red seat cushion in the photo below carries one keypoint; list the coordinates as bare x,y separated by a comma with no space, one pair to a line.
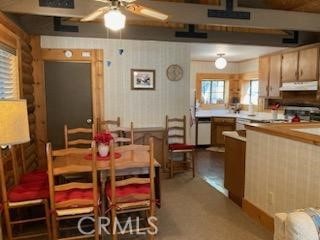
130,193
35,176
72,194
180,146
28,191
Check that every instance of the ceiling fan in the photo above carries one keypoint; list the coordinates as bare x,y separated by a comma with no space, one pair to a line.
115,20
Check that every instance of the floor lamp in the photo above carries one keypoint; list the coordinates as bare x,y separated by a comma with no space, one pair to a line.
14,129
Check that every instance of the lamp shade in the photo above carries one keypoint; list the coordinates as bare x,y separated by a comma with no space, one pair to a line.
14,126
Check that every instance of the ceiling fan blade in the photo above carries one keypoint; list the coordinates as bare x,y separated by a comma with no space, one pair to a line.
148,12
95,14
104,1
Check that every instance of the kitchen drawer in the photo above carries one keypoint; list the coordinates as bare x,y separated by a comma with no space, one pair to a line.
223,120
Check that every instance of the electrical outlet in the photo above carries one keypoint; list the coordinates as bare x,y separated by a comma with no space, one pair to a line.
270,198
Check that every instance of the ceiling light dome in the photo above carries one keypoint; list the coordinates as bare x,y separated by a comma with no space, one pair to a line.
221,62
114,20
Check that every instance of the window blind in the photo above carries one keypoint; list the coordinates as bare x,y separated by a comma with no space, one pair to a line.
8,73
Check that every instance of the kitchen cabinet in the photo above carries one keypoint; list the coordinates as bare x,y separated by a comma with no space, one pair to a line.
234,175
300,65
218,126
275,76
290,67
308,64
270,76
264,76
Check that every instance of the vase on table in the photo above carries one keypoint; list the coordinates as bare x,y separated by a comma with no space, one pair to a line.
103,149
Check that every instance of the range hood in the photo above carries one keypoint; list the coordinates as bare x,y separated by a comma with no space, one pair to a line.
300,86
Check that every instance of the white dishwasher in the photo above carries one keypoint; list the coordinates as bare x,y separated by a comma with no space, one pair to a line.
204,131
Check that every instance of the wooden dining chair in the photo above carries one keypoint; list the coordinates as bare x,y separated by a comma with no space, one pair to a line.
79,137
122,135
134,194
74,199
176,141
17,196
107,124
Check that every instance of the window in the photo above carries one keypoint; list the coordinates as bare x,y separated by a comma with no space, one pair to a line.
251,92
8,73
212,91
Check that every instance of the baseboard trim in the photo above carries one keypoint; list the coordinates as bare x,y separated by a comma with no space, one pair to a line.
258,215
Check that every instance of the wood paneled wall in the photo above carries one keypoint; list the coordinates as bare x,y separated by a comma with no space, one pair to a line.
15,37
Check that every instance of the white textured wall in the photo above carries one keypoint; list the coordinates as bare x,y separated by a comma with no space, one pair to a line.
248,66
290,170
144,108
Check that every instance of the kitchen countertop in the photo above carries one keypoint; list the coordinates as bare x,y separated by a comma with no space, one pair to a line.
303,132
234,134
259,116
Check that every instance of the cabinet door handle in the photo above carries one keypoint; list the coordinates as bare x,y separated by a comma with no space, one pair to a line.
301,72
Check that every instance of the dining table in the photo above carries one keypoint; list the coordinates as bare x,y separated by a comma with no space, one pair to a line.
126,164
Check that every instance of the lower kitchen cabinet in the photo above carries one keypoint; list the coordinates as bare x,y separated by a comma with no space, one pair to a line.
218,126
234,173
142,135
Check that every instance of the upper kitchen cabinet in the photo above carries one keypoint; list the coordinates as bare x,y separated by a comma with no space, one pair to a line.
308,64
264,68
290,67
270,76
300,65
275,76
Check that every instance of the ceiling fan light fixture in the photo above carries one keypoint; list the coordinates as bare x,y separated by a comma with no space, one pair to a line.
114,20
221,62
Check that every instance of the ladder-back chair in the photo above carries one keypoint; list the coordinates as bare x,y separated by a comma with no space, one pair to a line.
79,137
176,139
18,195
74,199
134,194
107,124
122,135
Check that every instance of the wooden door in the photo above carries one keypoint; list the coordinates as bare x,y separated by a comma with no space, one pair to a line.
290,67
264,63
68,96
308,64
275,76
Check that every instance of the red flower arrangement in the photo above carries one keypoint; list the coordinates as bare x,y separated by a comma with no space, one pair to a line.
104,138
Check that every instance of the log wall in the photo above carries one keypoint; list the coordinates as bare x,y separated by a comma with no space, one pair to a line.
26,154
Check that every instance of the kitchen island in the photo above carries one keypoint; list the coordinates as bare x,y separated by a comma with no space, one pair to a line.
282,169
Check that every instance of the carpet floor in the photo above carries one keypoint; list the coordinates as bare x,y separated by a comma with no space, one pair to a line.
193,210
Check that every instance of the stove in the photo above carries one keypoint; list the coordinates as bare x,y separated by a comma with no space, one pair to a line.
305,113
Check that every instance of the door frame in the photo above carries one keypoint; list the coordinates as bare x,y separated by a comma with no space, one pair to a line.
40,55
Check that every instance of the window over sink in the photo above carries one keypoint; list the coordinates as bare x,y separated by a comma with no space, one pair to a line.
250,92
213,91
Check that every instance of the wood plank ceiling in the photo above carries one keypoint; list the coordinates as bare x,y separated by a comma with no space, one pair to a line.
288,5
312,6
207,27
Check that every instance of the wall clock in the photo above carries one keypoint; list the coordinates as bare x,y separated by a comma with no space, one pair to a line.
174,72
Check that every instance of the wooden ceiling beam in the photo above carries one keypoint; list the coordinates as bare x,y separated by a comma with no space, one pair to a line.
184,13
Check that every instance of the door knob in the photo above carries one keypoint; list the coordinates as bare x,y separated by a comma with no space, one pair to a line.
89,121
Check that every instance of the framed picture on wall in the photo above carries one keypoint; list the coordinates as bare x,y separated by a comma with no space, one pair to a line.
142,79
